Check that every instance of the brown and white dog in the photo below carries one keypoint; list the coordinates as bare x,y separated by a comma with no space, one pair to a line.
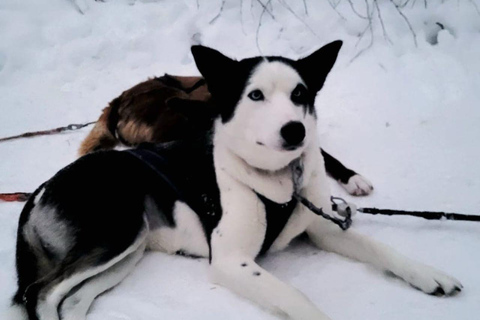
170,108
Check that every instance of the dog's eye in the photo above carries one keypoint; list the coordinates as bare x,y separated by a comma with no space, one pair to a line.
299,94
256,95
299,91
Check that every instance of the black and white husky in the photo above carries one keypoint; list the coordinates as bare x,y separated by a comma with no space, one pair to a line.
226,196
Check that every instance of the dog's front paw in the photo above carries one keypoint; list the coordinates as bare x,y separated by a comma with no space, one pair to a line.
358,185
433,281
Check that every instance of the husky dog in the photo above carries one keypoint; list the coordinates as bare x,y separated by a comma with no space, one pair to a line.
169,108
227,196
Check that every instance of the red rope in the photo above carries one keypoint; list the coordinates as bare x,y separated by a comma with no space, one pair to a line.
70,127
17,196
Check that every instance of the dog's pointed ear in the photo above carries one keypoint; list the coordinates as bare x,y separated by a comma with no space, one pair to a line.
315,68
214,66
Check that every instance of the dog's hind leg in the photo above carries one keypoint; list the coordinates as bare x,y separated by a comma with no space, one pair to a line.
349,243
352,182
43,298
76,305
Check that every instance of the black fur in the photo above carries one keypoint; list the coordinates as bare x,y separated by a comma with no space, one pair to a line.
336,169
104,214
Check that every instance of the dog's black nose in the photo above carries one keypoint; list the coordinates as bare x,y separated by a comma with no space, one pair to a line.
293,133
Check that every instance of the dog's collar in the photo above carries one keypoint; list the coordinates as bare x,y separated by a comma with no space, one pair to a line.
297,173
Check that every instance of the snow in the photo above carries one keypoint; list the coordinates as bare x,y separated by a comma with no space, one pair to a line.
405,116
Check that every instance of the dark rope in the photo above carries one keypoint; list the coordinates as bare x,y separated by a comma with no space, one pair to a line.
297,177
70,127
343,224
429,215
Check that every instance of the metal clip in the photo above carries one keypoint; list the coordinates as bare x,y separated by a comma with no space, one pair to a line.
342,207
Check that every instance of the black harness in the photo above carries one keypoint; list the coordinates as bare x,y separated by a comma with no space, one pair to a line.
277,215
158,164
170,81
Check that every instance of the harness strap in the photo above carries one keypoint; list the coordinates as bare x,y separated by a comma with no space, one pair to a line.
277,216
157,164
197,85
170,81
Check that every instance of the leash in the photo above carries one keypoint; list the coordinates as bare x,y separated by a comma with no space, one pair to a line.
343,208
347,209
343,224
70,127
17,196
429,215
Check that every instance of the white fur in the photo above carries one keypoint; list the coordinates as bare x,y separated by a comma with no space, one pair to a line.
75,307
358,186
241,234
261,121
359,247
241,166
187,235
38,196
43,224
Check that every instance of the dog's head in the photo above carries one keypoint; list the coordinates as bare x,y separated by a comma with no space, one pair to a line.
266,104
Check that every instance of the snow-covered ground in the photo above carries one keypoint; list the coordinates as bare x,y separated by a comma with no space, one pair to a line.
406,116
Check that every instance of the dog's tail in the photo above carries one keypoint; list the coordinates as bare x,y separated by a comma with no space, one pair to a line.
102,136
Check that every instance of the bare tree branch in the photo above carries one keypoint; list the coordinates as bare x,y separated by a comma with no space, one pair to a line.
265,9
403,5
355,10
334,7
414,35
370,28
241,17
296,16
361,35
219,13
260,24
77,7
305,7
385,35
